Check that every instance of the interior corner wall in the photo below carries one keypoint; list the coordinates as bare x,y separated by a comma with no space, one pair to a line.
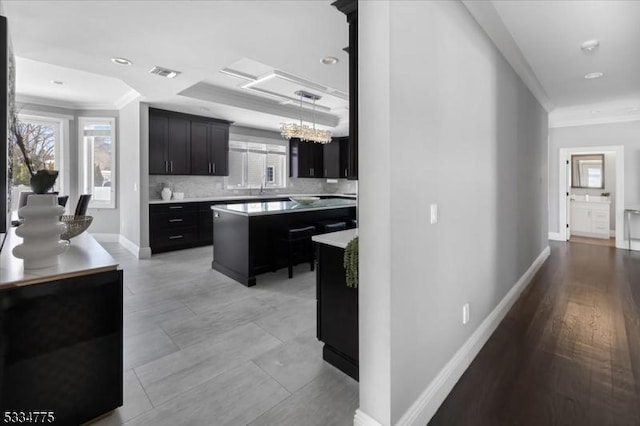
626,134
143,161
129,158
465,134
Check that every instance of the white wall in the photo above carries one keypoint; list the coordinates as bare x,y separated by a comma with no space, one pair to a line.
443,119
129,176
622,134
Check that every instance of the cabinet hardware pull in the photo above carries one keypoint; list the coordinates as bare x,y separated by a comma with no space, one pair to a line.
213,168
175,207
345,172
175,220
175,237
209,168
171,168
166,166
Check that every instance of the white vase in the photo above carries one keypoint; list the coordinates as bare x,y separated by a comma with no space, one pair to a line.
40,232
166,194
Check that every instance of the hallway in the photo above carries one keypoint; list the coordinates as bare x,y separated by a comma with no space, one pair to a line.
568,352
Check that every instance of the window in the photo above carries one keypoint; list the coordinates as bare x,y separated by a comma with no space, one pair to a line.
43,145
97,149
255,165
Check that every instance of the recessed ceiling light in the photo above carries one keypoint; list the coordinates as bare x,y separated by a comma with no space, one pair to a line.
121,61
57,82
593,75
329,60
590,46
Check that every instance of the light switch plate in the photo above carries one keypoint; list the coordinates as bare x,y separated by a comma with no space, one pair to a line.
434,213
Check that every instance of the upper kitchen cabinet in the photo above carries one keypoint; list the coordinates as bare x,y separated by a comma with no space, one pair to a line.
350,9
336,158
306,159
184,144
209,148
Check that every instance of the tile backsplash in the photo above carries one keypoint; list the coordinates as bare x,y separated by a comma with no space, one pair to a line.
212,186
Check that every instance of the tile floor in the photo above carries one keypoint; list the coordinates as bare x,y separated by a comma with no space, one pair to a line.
202,349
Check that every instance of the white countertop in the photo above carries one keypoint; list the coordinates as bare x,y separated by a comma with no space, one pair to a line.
337,239
84,256
280,207
593,199
248,197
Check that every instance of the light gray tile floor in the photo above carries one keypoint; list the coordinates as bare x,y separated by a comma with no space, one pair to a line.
202,349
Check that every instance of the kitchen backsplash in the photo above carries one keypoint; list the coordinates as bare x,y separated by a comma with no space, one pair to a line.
211,186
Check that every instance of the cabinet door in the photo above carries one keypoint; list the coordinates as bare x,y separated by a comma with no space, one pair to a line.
316,159
344,157
298,159
580,219
219,149
332,159
158,138
200,159
179,146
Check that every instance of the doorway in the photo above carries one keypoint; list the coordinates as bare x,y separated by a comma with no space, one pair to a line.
589,208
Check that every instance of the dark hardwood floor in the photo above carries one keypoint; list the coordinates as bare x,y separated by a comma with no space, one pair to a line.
568,352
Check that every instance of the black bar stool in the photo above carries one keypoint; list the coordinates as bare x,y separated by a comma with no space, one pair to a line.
299,246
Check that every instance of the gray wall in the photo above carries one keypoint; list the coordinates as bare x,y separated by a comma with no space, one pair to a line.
129,174
624,134
446,122
104,220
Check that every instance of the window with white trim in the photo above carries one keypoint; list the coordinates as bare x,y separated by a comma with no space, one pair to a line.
97,151
256,165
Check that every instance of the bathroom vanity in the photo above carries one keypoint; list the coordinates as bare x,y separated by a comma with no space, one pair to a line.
590,217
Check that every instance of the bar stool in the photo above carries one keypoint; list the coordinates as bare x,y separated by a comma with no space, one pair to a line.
331,226
299,246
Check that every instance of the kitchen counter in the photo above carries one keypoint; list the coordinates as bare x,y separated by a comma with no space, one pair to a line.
248,197
338,239
281,207
84,256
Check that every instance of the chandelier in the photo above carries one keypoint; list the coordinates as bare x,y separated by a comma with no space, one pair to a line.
302,131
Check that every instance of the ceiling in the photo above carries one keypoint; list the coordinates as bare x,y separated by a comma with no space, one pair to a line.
74,41
547,36
273,48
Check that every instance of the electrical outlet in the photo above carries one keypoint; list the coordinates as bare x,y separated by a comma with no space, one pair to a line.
465,314
434,213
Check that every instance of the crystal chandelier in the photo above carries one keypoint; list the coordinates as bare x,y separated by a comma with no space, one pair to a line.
303,131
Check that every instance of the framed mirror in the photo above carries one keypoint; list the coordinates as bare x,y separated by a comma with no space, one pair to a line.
587,171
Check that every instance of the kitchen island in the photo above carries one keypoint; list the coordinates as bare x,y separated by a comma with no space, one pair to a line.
61,334
246,235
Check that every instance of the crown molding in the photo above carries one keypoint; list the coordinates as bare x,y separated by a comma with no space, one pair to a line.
58,103
127,98
490,21
554,124
220,95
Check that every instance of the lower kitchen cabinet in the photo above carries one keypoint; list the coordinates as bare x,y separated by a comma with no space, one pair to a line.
173,226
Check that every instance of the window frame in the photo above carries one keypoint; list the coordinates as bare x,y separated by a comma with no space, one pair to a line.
85,170
283,150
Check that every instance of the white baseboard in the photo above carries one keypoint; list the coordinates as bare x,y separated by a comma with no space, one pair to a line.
363,419
105,238
423,409
140,253
555,236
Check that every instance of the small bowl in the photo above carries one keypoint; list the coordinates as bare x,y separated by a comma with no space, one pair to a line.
178,195
304,200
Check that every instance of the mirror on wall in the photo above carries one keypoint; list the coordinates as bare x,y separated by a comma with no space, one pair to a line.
587,171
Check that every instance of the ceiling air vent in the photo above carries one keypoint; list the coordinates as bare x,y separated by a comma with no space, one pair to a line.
164,72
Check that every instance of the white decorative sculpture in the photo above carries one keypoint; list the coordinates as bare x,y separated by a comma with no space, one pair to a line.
40,231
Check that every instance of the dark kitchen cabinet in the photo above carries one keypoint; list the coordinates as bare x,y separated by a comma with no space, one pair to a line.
336,158
306,159
173,226
209,148
350,9
169,144
184,144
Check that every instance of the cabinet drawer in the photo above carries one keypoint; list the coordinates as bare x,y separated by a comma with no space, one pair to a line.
172,208
171,221
602,215
600,226
178,238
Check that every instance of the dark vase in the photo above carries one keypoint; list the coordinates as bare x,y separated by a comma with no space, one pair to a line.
43,181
